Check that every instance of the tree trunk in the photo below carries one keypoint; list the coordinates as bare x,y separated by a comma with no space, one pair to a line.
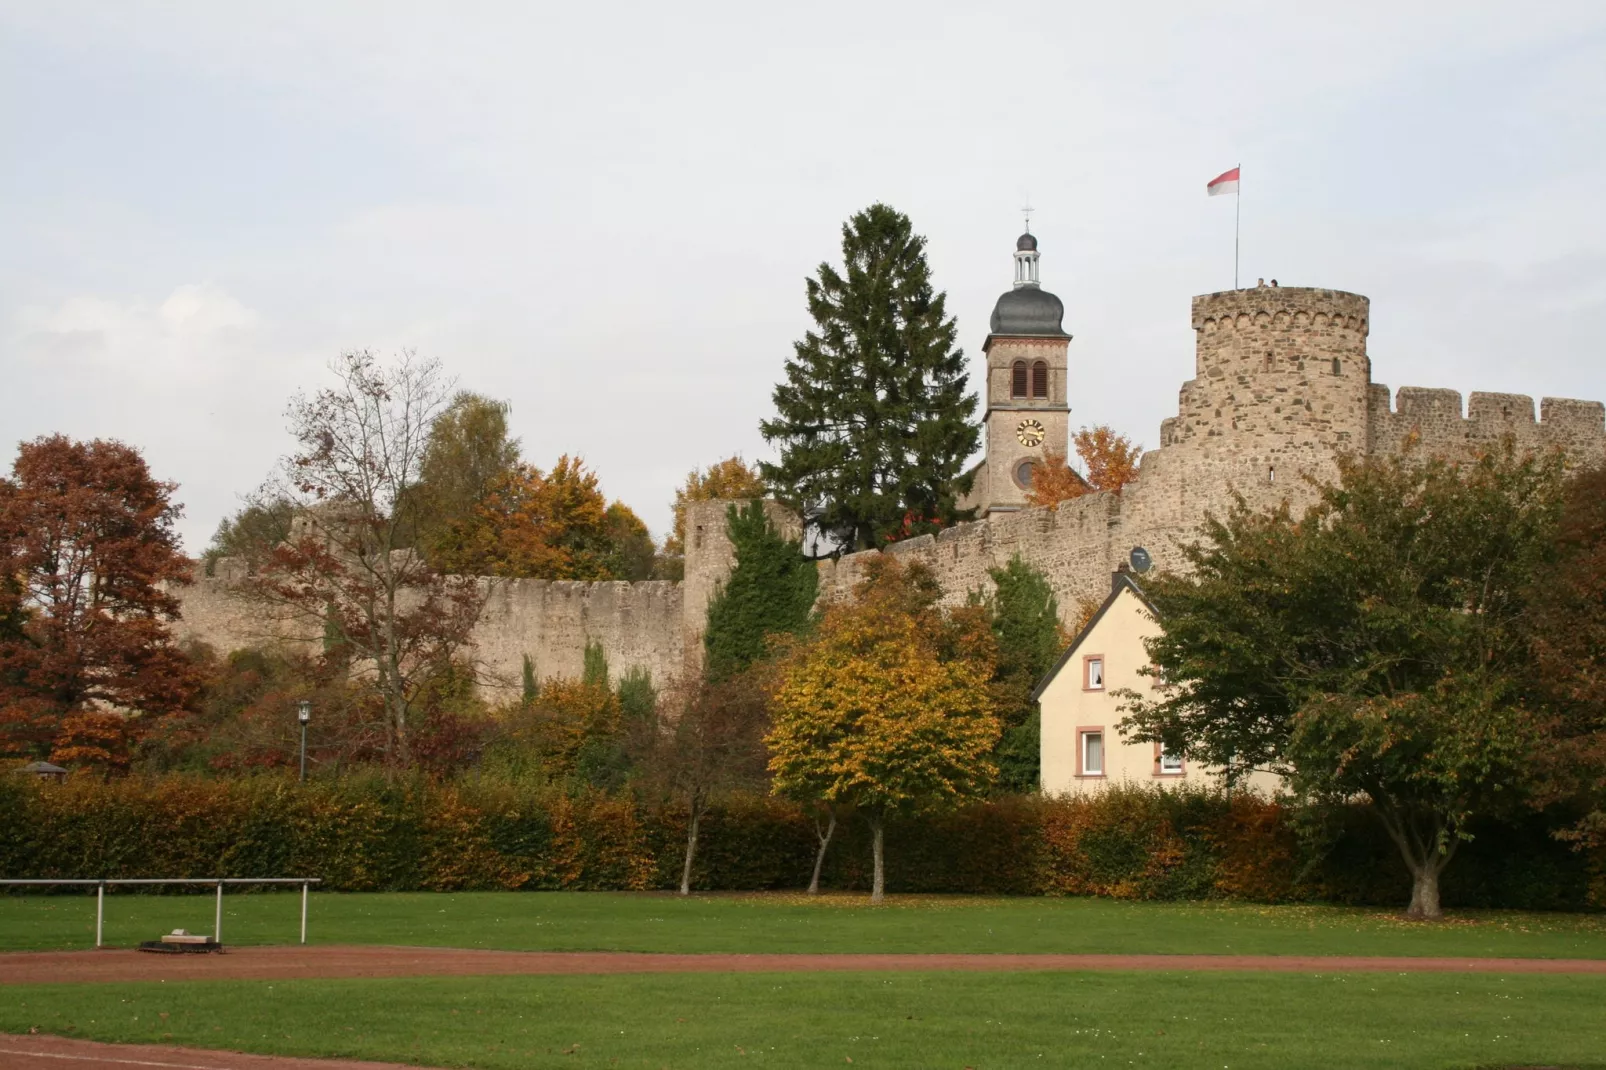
691,851
878,885
1419,836
1425,893
819,857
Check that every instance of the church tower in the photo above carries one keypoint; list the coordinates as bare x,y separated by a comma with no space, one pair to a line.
1028,412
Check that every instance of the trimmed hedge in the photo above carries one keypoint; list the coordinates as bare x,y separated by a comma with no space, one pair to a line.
366,834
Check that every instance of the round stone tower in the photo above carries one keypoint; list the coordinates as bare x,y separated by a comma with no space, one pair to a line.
1280,388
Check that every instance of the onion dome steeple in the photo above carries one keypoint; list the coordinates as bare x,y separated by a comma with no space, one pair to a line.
1028,309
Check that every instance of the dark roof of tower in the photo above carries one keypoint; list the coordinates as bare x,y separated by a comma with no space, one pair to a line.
1031,311
1026,243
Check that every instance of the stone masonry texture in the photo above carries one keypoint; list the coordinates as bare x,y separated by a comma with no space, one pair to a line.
1281,388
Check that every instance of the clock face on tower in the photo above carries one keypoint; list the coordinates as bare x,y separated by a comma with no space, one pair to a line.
1030,433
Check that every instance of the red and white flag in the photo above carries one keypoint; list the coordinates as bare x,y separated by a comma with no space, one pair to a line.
1226,182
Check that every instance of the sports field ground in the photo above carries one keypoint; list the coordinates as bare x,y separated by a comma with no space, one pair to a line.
1314,1017
793,923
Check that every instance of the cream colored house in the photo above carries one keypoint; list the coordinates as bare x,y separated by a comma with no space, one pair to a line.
1082,746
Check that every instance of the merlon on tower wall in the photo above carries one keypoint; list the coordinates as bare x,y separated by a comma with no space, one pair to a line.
1433,418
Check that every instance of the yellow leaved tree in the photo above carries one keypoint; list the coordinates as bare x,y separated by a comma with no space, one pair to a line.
886,707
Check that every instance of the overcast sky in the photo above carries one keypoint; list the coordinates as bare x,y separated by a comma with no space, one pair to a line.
604,213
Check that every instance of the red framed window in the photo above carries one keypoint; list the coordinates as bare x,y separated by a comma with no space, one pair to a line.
1093,672
1090,751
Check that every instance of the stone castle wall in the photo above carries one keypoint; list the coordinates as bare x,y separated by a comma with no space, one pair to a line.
1282,387
1434,419
638,626
655,625
212,613
1072,545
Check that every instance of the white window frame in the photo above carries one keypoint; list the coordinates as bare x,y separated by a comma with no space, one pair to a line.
1176,767
1084,737
1088,682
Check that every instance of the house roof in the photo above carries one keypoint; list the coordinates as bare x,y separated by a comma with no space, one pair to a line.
1119,581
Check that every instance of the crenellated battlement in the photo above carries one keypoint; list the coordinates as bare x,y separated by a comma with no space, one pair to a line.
1280,371
1435,421
1276,307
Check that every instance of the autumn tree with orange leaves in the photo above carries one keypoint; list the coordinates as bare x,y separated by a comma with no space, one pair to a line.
887,707
482,511
87,551
556,525
1110,462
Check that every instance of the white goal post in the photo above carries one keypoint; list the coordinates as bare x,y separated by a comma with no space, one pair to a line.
217,933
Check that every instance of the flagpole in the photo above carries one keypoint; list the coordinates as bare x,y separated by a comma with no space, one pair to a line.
1237,214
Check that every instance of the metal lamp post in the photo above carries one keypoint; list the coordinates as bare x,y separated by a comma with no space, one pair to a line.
304,714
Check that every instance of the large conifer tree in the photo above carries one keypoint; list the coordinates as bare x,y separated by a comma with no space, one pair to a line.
874,421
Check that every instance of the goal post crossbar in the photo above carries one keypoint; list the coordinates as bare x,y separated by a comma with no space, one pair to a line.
217,934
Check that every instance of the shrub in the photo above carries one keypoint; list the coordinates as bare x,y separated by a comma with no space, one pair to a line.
367,833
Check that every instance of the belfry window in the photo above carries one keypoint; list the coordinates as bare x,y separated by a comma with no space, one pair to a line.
1017,380
1040,380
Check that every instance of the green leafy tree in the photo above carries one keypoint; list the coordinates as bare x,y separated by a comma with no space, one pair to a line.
1569,631
874,422
594,665
1374,650
529,686
638,698
710,742
634,555
599,761
771,591
607,758
250,534
1025,622
468,453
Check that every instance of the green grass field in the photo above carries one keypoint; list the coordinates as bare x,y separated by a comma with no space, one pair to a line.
785,922
878,1020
